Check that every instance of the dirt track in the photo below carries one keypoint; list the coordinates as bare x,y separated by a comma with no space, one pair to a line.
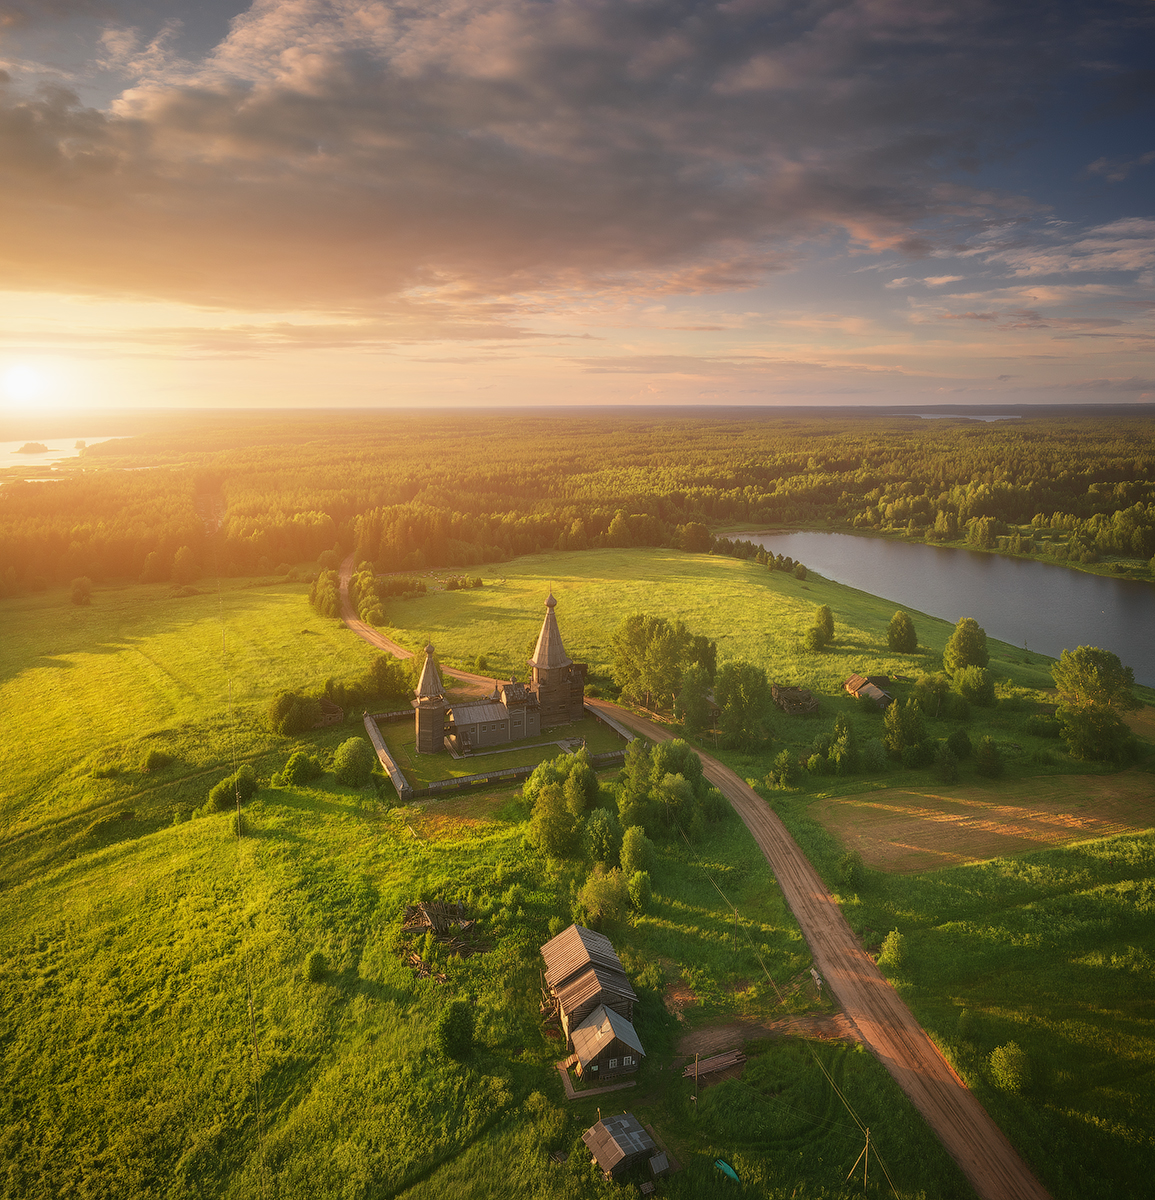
886,1025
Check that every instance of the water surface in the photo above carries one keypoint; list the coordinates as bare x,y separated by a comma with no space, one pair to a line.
1017,600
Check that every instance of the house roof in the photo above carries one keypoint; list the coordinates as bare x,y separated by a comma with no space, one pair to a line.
855,682
549,652
478,710
596,981
429,686
615,1138
599,1029
573,950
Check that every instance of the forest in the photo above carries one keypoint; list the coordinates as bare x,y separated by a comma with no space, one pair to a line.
410,491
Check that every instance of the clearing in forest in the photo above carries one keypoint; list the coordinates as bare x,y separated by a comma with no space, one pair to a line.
909,829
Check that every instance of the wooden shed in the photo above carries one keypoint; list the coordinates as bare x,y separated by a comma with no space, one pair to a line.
618,1143
797,701
872,686
606,1044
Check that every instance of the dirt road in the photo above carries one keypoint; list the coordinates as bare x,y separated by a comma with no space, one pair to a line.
884,1022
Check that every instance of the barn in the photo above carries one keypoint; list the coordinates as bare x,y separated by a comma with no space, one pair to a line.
618,1143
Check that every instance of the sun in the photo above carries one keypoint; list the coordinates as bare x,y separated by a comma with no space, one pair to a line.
23,384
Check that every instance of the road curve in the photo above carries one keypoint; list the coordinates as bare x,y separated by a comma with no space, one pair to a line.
886,1025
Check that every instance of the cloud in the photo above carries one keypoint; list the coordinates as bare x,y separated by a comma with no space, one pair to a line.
1125,245
335,156
1115,170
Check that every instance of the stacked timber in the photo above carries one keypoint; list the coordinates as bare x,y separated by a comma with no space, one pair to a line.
797,701
720,1062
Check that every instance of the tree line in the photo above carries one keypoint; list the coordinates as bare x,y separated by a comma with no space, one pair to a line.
406,493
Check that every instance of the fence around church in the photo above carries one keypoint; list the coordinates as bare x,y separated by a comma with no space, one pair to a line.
405,792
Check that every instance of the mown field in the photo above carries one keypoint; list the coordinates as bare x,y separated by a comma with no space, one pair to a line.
132,944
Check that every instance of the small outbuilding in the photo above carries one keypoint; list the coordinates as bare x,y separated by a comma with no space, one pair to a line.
619,1143
606,1044
871,686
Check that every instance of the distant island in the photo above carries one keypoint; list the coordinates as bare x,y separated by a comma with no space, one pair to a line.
33,448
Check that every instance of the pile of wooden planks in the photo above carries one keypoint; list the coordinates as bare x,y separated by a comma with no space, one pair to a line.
794,700
707,1066
422,969
443,919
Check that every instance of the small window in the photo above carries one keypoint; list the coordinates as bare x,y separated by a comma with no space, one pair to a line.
628,1060
613,1064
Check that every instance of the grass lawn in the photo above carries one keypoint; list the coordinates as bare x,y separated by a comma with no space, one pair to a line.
423,769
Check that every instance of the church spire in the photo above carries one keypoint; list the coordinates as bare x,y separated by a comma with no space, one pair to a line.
429,686
549,652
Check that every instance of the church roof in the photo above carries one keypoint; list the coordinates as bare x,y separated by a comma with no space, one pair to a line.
429,686
549,651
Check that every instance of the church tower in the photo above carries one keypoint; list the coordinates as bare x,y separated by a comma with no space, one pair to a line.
430,707
557,679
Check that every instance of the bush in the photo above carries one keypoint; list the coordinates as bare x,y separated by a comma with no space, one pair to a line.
553,829
893,949
455,1030
816,764
900,635
155,760
291,713
967,646
315,967
988,760
814,639
920,754
1044,727
872,756
605,894
976,685
637,852
603,836
946,764
959,743
640,891
799,571
786,770
852,870
301,768
353,762
1010,1068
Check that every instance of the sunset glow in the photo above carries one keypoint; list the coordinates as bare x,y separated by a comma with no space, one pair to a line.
513,201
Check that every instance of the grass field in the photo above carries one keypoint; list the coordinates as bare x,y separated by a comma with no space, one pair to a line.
131,944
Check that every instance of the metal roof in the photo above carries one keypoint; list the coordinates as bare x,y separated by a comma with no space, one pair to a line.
573,950
598,1030
596,981
478,711
616,1138
549,651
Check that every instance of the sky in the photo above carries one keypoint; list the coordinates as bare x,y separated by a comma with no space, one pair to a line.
560,202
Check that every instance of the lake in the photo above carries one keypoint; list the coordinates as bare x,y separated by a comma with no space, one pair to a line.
1049,607
56,450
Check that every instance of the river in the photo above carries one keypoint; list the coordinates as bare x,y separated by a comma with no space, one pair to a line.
1049,607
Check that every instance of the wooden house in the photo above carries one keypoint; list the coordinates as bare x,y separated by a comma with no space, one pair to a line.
582,973
872,686
606,1044
797,701
618,1143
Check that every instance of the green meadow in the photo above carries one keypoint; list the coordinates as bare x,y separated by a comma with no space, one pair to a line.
162,1035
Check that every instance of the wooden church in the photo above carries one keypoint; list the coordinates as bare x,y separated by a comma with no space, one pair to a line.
554,696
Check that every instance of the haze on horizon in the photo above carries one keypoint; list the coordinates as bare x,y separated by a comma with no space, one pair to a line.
524,202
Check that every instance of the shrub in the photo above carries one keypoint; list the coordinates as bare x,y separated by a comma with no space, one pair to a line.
824,620
455,1030
814,638
946,764
799,571
919,754
967,646
893,949
872,756
900,635
715,806
246,781
959,743
955,707
556,925
605,894
315,967
637,853
603,836
966,1024
816,764
1044,727
353,762
155,760
977,685
852,870
988,760
222,795
640,891
785,769
1010,1067
291,713
82,590
301,768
